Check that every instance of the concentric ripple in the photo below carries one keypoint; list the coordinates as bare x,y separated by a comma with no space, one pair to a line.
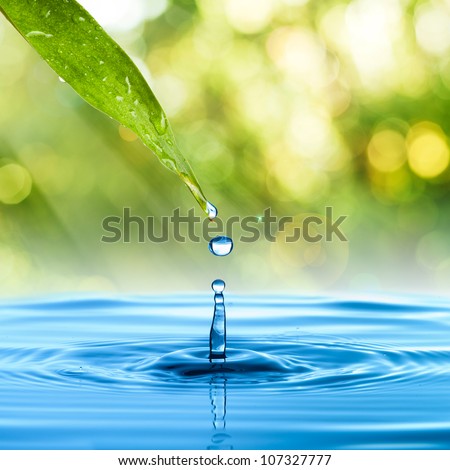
299,373
277,365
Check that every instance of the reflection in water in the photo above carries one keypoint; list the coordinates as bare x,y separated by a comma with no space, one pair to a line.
220,440
218,381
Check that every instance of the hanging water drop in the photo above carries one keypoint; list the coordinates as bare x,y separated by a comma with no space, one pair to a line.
211,210
221,246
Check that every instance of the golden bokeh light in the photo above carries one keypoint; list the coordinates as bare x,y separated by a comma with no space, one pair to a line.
318,261
126,134
387,150
433,27
248,18
428,151
300,54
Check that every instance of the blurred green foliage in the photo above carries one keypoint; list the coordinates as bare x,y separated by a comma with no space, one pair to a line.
295,104
77,48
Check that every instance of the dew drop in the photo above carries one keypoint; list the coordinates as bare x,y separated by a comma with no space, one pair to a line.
127,81
38,33
221,246
158,122
169,163
62,80
211,210
163,122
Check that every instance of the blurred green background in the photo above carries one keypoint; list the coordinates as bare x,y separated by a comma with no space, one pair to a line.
292,104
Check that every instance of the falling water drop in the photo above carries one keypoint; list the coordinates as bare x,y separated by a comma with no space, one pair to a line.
218,335
221,246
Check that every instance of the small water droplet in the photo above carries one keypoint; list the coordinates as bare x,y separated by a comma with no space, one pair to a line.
38,33
78,19
218,286
163,122
211,210
62,80
158,122
119,98
169,163
127,81
221,246
152,144
101,62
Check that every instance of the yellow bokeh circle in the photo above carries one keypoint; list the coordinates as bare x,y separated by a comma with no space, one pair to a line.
387,150
428,152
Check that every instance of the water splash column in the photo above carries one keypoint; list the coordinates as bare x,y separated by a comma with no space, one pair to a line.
218,334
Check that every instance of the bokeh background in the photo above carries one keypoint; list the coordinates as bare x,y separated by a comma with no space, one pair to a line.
290,104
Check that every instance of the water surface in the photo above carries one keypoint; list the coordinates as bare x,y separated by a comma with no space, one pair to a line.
300,373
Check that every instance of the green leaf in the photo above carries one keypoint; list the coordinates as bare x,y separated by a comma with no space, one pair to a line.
87,58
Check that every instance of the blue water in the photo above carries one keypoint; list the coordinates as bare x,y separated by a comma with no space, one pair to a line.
300,373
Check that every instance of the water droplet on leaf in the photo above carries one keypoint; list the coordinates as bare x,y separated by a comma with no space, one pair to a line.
211,210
